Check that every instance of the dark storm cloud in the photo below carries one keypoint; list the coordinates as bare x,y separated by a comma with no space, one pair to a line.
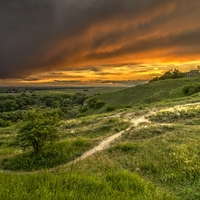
67,81
56,73
31,79
123,82
189,40
44,35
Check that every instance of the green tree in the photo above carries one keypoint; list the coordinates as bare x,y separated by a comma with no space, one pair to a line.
171,74
79,98
56,104
37,130
9,105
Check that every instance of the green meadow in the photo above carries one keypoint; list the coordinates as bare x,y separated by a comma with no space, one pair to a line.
164,93
155,159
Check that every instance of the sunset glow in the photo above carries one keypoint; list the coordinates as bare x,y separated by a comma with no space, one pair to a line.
96,42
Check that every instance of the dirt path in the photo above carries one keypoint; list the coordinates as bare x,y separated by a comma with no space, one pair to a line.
135,121
107,142
102,145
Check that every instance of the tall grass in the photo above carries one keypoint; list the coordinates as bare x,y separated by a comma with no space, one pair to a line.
180,114
50,156
114,185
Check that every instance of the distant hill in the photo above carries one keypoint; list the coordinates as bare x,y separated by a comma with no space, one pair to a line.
149,93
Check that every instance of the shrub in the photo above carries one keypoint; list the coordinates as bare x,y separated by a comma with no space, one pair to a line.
127,106
95,104
191,89
98,104
110,108
91,103
4,123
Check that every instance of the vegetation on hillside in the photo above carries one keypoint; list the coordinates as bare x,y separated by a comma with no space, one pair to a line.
171,74
157,93
191,89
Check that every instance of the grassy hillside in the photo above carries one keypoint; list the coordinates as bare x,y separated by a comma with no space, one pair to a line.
151,93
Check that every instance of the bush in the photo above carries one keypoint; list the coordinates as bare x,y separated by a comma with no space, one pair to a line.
91,103
110,108
14,116
191,89
95,104
98,104
127,106
4,123
83,109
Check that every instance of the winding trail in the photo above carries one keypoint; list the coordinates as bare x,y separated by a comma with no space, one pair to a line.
107,142
135,121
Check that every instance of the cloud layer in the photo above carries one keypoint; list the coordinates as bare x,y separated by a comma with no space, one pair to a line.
48,35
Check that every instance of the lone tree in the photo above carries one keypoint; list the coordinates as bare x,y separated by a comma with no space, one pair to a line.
37,130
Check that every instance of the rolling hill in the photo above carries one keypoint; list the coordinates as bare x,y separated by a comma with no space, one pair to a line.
154,93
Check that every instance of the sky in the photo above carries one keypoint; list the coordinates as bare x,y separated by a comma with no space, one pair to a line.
96,42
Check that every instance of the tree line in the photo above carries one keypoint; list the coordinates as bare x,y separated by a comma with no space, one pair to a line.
12,107
171,74
24,102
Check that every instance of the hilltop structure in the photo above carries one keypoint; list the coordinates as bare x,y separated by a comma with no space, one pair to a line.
193,72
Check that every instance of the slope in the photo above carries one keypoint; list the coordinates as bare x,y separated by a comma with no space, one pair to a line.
150,93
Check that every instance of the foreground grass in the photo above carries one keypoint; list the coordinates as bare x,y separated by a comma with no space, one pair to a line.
113,184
